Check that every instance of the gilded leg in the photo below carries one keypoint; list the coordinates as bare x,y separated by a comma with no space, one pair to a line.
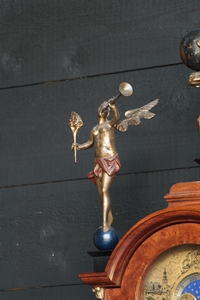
106,182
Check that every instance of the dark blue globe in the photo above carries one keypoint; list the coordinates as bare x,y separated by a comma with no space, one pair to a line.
190,49
105,240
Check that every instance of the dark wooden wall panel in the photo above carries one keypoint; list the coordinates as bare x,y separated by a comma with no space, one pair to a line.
51,293
36,139
54,40
46,230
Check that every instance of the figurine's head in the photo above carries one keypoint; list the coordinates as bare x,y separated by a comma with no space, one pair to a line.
103,110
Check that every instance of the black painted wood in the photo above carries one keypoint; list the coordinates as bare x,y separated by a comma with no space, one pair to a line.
47,230
35,138
54,40
51,293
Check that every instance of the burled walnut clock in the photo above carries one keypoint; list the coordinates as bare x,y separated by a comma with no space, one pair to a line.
159,257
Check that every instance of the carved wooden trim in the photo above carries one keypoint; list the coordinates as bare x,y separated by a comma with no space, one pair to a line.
183,207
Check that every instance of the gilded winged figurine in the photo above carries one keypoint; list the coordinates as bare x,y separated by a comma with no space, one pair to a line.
106,161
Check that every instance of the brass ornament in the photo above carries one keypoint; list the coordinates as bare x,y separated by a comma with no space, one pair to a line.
106,161
194,79
99,293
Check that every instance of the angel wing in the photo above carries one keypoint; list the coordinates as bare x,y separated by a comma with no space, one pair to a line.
133,116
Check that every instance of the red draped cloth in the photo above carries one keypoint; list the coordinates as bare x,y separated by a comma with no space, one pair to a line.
111,165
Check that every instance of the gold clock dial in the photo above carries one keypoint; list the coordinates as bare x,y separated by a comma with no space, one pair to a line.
174,273
187,296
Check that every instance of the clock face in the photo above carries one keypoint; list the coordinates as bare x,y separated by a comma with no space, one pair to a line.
188,285
174,275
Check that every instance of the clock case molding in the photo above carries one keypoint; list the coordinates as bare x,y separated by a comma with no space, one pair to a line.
132,258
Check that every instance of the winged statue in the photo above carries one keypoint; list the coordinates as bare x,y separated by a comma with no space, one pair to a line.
106,160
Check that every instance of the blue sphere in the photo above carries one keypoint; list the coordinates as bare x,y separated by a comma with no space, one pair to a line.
105,240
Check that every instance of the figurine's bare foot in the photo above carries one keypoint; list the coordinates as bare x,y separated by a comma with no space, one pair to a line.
105,227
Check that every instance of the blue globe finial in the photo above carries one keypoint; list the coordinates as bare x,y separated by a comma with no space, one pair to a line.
105,240
190,49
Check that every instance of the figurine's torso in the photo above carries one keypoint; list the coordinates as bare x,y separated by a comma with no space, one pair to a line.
104,140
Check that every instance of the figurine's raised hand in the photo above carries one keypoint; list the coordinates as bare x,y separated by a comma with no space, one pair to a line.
74,145
75,123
